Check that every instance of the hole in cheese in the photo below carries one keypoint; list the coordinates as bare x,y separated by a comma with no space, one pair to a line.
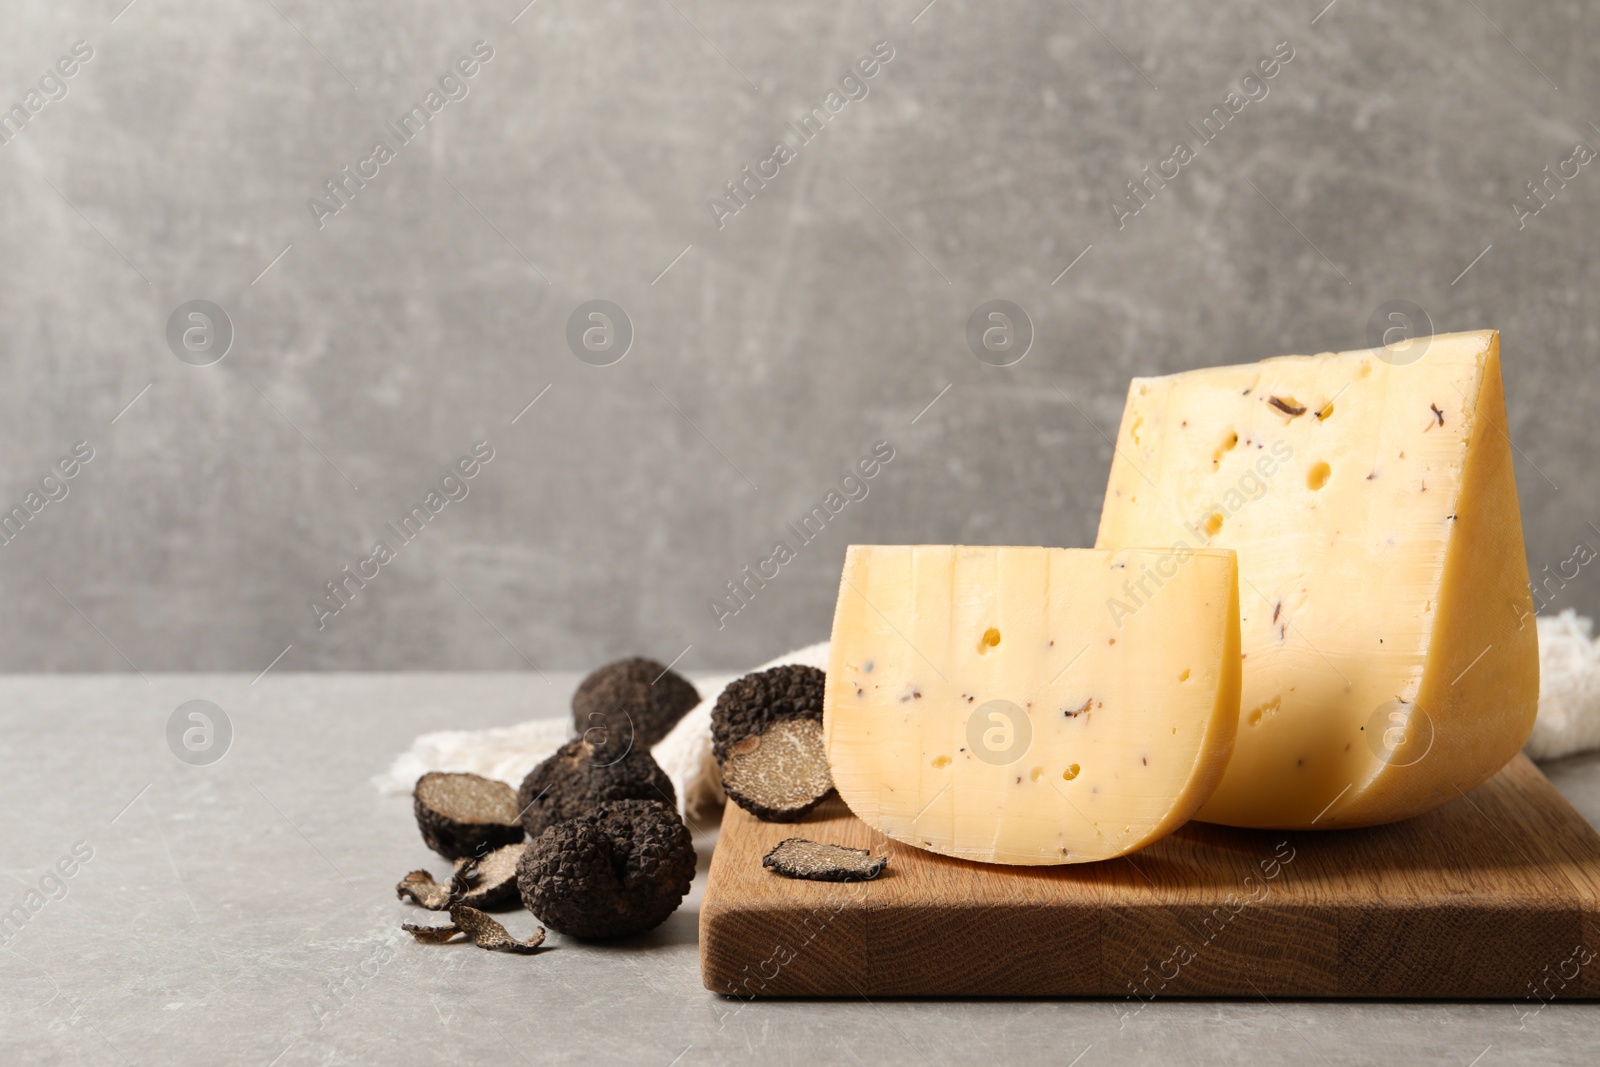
990,639
1317,476
1071,772
1267,710
1214,523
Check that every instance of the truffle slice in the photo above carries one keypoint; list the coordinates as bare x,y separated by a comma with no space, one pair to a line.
631,703
781,774
489,884
465,814
795,857
766,735
581,776
619,870
484,931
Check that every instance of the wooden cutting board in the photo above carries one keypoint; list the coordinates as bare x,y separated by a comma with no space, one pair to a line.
1495,895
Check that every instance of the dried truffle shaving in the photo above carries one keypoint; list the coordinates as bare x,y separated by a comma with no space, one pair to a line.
431,935
781,774
484,931
423,890
797,857
487,933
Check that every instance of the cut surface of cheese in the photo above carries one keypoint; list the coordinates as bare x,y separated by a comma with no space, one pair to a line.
1390,653
994,704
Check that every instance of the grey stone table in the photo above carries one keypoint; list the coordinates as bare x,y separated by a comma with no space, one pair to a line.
244,912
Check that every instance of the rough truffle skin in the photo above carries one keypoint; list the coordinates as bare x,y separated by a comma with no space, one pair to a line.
581,776
752,703
633,700
491,824
620,870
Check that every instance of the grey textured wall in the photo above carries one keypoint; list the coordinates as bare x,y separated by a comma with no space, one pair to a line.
373,347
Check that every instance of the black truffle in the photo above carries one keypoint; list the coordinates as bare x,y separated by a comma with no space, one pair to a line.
631,703
620,870
752,703
796,857
580,776
766,735
465,814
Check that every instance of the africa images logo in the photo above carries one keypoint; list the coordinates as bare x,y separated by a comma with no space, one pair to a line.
453,85
853,86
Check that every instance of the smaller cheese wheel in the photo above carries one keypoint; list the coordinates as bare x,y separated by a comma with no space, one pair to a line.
1031,705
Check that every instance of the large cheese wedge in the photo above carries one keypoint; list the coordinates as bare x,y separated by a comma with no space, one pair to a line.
987,703
1390,653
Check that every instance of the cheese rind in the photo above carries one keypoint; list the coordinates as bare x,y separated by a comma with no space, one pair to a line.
1004,705
1390,655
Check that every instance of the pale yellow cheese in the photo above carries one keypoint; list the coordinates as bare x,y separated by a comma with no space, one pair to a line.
990,704
1390,653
